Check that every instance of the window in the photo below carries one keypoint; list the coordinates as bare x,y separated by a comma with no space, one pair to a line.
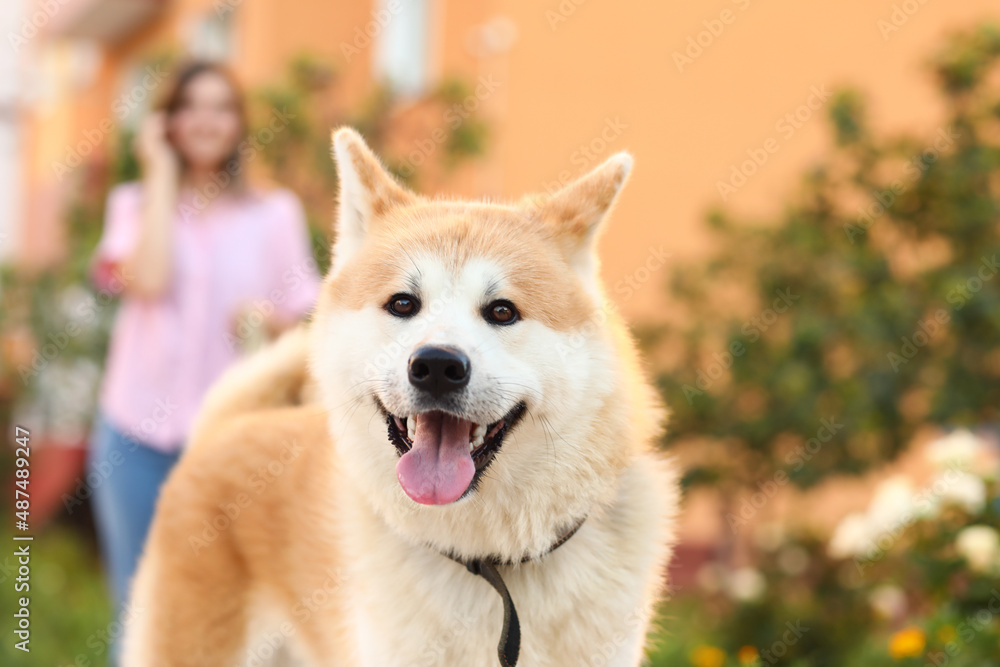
211,37
401,48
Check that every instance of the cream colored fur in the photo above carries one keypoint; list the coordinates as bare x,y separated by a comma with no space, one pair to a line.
283,534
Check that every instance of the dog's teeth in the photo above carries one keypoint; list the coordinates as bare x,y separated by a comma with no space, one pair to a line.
479,432
399,424
476,441
411,428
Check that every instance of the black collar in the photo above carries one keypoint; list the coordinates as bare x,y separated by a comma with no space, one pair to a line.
510,635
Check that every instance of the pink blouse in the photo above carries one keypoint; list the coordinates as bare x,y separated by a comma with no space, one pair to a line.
236,253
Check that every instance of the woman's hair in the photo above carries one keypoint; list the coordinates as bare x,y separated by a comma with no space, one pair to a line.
173,98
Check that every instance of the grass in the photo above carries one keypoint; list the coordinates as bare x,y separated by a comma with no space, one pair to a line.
72,626
71,619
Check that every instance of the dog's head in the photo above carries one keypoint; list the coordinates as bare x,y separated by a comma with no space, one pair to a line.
465,352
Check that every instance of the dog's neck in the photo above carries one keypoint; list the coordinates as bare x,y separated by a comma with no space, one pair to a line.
499,560
509,646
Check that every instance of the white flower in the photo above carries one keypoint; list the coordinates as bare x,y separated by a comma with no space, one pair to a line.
980,546
888,601
746,584
962,489
895,506
958,449
892,506
72,299
851,537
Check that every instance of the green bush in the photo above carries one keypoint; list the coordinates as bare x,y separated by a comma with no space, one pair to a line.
874,296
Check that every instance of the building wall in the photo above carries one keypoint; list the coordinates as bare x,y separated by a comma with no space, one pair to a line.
81,82
614,60
10,136
577,80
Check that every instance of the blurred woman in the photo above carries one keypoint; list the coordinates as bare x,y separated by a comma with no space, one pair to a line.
194,251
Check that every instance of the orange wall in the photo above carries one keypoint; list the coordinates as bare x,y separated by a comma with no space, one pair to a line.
686,129
576,69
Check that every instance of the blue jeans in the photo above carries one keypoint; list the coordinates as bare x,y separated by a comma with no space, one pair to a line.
128,479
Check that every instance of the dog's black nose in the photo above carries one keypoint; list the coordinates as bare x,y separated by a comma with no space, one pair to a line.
438,370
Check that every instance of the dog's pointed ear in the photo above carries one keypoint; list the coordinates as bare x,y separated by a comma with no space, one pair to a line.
575,212
367,192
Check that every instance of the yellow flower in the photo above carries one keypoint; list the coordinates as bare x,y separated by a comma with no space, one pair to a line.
946,634
708,656
748,655
907,643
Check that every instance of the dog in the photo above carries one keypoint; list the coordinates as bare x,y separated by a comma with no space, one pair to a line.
454,463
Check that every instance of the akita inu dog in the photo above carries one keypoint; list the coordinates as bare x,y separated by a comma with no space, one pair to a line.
479,410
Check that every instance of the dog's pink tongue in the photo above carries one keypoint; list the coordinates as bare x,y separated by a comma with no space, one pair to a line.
438,468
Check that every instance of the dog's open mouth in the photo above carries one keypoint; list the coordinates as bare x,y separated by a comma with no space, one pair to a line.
442,456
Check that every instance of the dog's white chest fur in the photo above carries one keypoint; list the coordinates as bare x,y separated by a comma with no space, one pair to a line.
589,602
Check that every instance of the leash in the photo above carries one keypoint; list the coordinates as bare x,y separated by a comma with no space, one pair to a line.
510,635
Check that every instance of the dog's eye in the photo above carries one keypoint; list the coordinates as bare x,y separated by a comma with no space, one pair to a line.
403,305
501,312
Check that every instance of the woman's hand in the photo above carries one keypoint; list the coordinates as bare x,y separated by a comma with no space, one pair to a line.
254,324
153,148
250,326
150,263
